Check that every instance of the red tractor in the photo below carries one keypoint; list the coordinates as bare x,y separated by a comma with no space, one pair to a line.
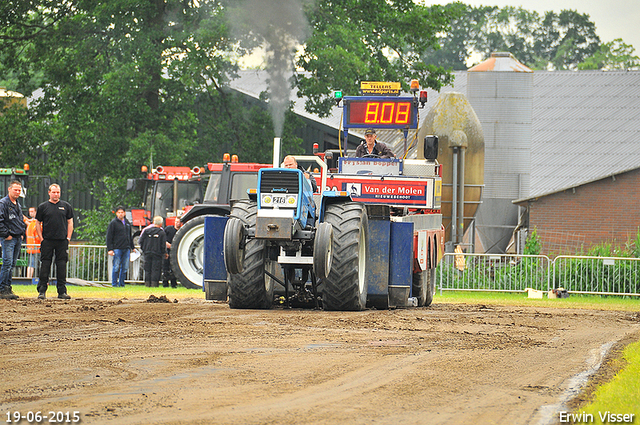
167,192
228,181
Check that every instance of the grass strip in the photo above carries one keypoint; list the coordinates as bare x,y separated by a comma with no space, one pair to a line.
619,396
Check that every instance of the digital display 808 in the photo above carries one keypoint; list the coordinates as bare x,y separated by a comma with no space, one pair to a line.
381,113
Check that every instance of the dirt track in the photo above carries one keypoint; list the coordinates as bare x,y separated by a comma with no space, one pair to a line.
192,362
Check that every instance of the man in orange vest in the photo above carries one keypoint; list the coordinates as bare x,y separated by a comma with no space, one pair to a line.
33,243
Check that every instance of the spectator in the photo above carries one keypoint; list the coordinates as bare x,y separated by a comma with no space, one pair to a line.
54,225
167,273
153,242
119,246
33,243
12,228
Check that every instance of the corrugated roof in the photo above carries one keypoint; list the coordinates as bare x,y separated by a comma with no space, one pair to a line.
585,124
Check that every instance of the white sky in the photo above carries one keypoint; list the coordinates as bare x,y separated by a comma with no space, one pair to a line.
613,18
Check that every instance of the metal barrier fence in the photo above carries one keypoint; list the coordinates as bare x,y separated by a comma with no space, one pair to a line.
457,271
493,272
597,275
515,273
86,262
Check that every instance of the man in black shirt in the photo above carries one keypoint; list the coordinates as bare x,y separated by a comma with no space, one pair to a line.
167,273
153,242
54,225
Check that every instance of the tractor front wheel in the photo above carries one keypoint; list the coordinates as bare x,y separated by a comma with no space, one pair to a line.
323,250
234,240
251,287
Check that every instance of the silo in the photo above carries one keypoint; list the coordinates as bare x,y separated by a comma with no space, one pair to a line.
456,124
500,90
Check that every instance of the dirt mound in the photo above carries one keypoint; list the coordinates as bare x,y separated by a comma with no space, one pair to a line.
161,299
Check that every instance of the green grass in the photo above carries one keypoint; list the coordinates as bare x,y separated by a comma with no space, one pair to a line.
594,302
130,292
622,394
579,301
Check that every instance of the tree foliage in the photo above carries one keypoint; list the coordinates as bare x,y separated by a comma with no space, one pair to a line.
553,41
369,40
125,82
613,55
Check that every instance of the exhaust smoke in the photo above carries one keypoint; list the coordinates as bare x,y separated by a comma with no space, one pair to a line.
282,26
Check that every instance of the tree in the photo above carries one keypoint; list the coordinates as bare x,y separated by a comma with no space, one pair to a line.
223,115
555,41
569,38
615,54
19,136
368,40
125,81
120,77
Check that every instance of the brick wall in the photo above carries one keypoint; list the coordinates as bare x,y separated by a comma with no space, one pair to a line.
605,211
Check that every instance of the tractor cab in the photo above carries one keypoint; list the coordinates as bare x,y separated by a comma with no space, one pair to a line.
167,192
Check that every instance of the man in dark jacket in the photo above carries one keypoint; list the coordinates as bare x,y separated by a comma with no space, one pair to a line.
12,228
119,245
153,242
372,147
167,273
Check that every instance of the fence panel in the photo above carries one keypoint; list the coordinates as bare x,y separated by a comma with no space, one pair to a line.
597,275
457,271
86,262
493,272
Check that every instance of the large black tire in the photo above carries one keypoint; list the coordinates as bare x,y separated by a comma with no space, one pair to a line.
252,288
233,247
424,287
323,250
345,289
187,253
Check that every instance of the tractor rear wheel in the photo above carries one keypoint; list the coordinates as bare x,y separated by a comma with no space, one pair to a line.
187,253
252,288
424,287
345,288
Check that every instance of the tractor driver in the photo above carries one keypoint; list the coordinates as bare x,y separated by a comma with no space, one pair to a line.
290,162
373,148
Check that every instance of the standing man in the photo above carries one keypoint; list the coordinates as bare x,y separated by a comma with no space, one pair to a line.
119,246
167,273
54,224
33,243
153,242
12,228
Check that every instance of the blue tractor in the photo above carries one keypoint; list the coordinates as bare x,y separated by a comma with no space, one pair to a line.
280,235
373,236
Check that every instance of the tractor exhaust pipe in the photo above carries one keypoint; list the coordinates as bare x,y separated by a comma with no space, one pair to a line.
276,152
